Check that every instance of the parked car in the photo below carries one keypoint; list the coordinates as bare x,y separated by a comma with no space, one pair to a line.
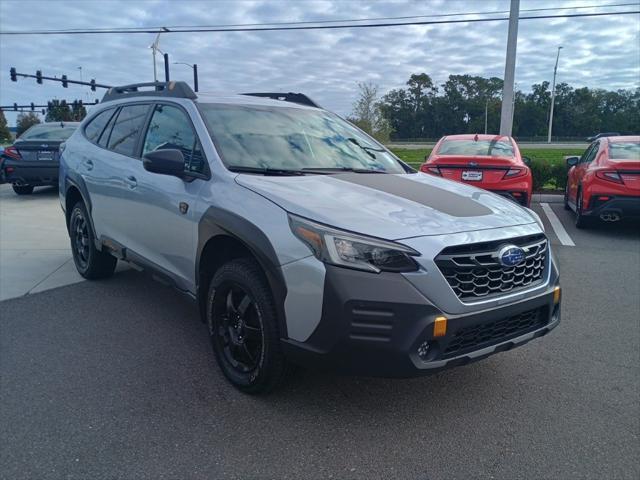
303,240
492,162
604,182
33,159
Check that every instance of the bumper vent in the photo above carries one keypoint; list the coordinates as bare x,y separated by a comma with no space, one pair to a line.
475,337
474,272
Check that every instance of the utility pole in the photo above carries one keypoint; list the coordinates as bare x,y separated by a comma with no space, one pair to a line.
486,115
553,95
506,113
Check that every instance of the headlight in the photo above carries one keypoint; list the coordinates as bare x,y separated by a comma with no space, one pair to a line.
536,217
350,250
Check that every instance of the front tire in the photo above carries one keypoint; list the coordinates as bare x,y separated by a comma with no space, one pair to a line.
243,328
22,189
90,262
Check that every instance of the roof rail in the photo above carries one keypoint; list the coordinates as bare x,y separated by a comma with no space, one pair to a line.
300,98
157,89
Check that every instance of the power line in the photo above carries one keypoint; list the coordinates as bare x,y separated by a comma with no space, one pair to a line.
204,29
309,22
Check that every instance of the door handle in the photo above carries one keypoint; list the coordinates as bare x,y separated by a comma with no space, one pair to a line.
131,181
88,164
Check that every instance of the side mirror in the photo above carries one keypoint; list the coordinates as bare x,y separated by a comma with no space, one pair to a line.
165,162
572,161
527,161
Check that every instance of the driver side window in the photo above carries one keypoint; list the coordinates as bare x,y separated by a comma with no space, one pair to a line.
170,128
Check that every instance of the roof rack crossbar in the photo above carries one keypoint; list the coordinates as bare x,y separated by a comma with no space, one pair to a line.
299,98
161,89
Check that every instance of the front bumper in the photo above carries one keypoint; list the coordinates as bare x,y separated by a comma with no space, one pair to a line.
624,206
375,325
30,173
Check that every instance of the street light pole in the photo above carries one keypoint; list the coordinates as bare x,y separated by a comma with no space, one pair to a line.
194,67
553,95
506,113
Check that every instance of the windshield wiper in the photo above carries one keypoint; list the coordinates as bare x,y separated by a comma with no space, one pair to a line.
368,150
341,169
266,171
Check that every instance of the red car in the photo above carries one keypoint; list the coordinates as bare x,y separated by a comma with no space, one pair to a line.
492,162
605,181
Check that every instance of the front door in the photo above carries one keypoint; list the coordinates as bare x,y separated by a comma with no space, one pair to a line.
167,207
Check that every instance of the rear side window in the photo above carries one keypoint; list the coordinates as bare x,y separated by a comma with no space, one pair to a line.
126,129
95,127
170,128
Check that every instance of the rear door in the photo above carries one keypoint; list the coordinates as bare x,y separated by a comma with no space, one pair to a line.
577,173
109,174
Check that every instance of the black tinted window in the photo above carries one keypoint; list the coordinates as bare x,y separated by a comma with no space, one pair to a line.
104,137
126,129
95,126
170,128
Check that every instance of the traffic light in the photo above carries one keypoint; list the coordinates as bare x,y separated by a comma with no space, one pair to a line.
44,112
49,105
14,76
39,76
15,107
93,84
33,107
64,81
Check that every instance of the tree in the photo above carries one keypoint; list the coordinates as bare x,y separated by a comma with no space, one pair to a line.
366,112
5,134
26,121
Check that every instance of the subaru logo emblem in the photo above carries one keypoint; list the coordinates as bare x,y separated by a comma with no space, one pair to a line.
511,255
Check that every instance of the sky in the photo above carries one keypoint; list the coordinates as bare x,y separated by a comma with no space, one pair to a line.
598,52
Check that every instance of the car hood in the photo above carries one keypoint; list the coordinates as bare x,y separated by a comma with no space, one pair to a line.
389,206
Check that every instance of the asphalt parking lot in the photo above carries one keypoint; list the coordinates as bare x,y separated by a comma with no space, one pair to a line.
115,379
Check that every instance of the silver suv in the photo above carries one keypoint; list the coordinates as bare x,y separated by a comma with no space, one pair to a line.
303,240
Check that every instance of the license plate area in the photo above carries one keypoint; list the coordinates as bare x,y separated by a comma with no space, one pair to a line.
472,175
45,155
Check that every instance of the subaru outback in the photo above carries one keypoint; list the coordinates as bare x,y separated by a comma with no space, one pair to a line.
304,241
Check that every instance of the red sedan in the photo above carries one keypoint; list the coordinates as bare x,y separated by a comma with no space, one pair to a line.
605,181
492,162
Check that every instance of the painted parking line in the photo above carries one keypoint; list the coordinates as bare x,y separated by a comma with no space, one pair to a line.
556,224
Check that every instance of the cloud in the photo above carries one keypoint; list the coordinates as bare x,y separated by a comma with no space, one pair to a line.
598,52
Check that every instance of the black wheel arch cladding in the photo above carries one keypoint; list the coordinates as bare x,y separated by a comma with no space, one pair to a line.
217,222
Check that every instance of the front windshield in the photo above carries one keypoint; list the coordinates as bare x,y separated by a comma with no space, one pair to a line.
625,151
493,148
292,139
49,132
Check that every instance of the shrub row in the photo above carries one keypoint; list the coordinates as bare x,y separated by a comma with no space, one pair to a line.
548,166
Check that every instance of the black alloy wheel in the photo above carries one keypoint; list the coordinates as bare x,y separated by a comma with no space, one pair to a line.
239,331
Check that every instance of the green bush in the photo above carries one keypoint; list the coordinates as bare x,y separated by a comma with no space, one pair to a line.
548,166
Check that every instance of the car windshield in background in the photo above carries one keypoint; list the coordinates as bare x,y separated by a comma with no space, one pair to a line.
476,147
48,132
625,151
295,139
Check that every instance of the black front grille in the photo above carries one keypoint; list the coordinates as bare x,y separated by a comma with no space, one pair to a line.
475,337
474,271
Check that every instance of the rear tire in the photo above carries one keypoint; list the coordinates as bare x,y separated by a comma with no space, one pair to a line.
581,220
566,198
243,328
22,189
90,262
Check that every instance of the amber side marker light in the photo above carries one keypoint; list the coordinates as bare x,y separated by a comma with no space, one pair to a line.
440,327
556,295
